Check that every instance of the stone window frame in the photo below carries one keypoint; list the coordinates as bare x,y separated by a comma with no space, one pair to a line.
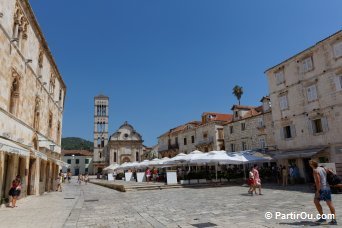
337,48
20,25
313,128
36,113
288,135
279,75
243,126
312,87
14,93
284,94
306,65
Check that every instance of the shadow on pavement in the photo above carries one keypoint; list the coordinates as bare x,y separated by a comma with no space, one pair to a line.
301,223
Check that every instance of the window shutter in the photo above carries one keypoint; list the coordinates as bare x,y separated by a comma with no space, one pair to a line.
310,126
325,124
338,49
310,64
293,131
338,82
285,103
308,93
282,136
313,92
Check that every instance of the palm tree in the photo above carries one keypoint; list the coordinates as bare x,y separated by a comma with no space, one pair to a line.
238,91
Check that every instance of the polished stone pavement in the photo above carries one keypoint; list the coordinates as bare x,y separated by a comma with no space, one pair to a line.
230,206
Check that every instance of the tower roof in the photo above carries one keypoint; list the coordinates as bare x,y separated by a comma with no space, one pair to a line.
101,96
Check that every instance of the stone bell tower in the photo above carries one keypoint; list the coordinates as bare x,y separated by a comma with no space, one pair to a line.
101,104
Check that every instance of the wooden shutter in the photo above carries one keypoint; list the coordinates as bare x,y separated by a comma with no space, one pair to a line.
338,49
282,135
293,131
310,127
338,82
325,124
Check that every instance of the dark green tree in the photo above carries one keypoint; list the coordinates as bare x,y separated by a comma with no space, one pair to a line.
238,91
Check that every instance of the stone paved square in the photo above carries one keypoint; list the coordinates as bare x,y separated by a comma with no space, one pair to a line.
229,206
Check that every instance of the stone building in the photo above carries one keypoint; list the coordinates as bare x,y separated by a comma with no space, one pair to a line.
205,135
306,96
150,153
251,128
124,145
169,142
32,94
101,117
79,161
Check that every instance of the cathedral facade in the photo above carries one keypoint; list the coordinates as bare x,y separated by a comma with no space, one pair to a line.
124,145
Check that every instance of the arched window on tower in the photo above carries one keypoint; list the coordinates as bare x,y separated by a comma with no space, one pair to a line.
102,142
14,99
98,126
104,111
114,156
98,142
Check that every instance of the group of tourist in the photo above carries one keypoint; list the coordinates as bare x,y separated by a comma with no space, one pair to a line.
151,174
83,178
254,180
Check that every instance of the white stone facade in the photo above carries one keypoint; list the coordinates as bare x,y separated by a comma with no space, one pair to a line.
251,129
207,135
306,96
101,117
125,145
32,94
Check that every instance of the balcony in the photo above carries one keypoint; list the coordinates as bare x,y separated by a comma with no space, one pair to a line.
205,141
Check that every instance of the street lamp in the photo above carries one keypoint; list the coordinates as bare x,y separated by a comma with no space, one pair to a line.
52,147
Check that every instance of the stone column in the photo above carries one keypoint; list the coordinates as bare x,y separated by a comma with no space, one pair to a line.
2,172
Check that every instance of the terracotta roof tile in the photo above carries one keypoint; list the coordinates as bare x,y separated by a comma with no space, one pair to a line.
76,153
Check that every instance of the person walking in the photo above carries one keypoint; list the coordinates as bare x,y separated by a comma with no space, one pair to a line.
154,174
79,179
285,175
15,191
251,182
322,192
86,178
59,182
69,176
148,174
257,180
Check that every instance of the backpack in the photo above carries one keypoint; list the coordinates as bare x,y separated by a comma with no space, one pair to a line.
332,178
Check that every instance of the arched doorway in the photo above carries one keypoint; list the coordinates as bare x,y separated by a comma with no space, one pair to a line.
125,159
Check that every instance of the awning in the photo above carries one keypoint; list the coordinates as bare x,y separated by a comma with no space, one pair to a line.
297,153
61,163
11,147
40,155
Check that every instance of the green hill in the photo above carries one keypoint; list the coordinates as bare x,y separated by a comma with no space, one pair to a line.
73,143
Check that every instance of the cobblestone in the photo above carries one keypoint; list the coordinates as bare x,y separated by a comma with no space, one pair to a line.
96,206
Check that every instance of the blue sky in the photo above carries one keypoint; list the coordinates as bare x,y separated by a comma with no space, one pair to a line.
164,63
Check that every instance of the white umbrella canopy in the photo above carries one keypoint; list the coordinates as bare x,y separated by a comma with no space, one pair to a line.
124,165
155,162
113,166
244,157
133,165
178,159
143,164
215,157
163,161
